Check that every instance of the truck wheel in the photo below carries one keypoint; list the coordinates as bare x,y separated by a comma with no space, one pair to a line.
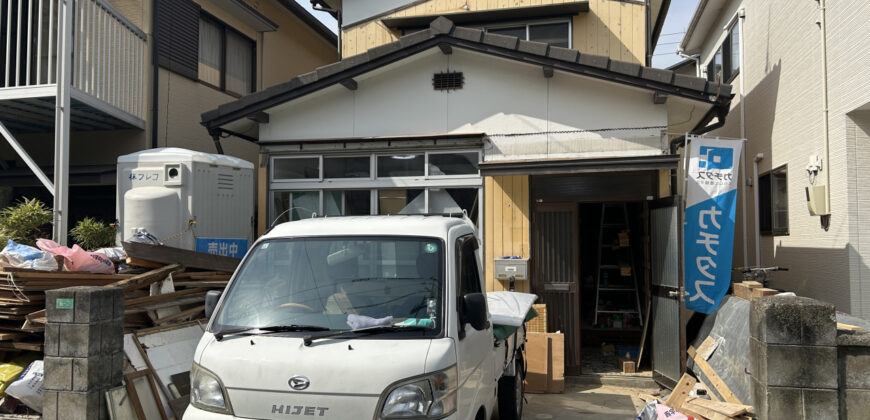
510,395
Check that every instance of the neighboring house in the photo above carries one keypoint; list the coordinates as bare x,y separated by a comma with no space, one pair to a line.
772,52
530,138
207,52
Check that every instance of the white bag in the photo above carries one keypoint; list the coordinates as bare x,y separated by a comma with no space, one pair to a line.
24,256
28,387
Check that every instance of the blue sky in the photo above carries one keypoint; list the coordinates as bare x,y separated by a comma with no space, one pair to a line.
679,15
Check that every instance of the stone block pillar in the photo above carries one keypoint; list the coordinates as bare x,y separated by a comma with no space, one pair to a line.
854,371
793,352
84,342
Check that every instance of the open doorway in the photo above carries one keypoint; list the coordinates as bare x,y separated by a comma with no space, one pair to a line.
591,266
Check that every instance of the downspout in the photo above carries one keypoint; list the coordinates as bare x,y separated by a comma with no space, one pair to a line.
155,71
827,163
758,158
321,7
742,15
697,61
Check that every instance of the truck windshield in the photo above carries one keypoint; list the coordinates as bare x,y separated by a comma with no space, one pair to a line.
338,283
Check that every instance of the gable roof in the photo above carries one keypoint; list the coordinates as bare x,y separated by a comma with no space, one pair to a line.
444,34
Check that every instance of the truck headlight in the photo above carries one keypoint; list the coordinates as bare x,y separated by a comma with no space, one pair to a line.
433,395
207,391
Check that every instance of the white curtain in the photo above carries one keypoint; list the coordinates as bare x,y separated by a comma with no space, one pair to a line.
209,52
240,63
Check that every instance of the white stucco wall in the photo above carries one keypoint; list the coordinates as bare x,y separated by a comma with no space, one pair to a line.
499,97
782,73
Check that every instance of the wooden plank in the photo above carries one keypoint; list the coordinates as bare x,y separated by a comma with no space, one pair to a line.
145,279
692,405
180,315
168,297
681,391
847,327
64,275
707,348
170,255
497,224
138,262
728,409
753,284
742,291
713,377
763,291
190,274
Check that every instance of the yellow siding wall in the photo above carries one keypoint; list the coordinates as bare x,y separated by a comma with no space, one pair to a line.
611,28
506,224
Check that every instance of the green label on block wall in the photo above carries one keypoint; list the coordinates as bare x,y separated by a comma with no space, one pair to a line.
64,304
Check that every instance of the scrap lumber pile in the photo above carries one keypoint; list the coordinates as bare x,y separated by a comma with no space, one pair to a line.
170,288
721,405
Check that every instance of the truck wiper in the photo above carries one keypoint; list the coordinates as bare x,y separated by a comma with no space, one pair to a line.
270,329
368,330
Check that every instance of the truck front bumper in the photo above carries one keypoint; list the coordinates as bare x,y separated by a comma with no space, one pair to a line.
193,413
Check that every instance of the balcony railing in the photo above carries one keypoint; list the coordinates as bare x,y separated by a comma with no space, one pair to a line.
108,51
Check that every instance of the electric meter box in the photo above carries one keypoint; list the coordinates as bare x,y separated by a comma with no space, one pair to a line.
190,200
505,268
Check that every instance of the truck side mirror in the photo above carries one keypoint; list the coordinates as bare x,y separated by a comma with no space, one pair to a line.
474,311
211,300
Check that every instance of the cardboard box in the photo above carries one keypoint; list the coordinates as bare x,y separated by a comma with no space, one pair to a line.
537,362
623,238
626,365
556,383
545,363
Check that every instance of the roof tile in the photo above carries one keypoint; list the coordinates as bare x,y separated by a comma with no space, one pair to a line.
329,69
563,54
502,41
533,47
385,49
689,82
656,75
624,67
309,77
441,25
468,34
592,60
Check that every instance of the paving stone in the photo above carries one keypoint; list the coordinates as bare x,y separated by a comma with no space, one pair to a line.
793,320
820,403
111,336
49,405
89,373
51,346
772,403
62,314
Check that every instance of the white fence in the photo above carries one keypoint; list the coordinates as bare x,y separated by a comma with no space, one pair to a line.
108,50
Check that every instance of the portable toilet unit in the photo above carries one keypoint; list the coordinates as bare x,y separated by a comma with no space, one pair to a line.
191,200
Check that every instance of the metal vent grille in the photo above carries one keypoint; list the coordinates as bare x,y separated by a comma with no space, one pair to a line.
448,81
225,181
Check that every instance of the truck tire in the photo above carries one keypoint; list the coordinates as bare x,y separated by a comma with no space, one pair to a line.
510,395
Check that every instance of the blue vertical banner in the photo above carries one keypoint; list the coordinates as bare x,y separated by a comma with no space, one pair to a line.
711,204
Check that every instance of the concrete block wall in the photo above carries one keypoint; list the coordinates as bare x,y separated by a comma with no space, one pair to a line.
853,356
793,351
83,351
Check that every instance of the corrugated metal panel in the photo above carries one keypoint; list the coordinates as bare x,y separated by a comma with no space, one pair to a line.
556,273
664,244
665,249
666,337
178,36
597,188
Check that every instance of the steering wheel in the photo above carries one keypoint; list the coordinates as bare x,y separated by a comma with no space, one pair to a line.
297,305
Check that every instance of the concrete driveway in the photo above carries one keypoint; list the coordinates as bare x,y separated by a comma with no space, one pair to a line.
592,402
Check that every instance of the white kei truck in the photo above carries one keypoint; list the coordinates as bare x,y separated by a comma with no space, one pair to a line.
361,317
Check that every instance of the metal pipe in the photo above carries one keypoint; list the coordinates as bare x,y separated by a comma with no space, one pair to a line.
696,59
827,163
155,73
757,159
742,15
27,159
62,121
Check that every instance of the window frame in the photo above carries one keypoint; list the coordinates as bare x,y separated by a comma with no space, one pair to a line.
372,166
725,49
319,178
528,23
450,152
203,15
770,199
